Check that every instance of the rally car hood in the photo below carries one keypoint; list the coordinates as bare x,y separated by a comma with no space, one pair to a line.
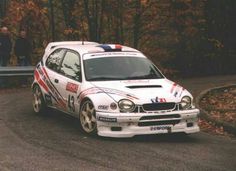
143,91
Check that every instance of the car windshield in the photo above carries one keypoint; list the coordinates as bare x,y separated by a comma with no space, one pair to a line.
120,68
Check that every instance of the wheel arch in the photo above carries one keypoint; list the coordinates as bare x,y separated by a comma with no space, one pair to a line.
41,97
83,121
83,100
36,84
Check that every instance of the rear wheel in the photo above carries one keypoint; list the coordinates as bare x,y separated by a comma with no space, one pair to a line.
87,117
39,105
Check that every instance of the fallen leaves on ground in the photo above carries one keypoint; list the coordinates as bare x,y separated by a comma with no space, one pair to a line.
221,105
213,129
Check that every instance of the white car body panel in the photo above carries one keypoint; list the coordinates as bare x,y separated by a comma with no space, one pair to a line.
113,122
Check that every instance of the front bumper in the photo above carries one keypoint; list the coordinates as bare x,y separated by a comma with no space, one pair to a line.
131,124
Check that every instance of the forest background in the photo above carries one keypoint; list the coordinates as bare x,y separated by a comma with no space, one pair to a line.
182,37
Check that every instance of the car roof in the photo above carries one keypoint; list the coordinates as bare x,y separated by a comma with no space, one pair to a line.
88,47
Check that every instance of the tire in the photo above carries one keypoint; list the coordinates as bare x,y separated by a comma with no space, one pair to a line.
87,117
39,104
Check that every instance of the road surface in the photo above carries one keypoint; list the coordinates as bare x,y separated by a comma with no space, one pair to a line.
55,142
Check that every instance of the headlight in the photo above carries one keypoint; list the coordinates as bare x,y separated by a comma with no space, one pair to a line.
126,105
186,102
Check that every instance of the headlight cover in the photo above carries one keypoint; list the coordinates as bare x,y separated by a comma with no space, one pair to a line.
186,102
126,105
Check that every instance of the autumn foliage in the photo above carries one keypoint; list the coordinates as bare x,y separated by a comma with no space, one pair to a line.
221,104
185,37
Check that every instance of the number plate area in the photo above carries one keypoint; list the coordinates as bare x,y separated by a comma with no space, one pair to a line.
161,128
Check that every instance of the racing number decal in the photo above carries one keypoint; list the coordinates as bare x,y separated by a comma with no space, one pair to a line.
71,103
72,87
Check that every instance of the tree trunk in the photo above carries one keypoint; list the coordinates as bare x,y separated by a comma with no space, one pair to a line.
137,23
52,19
3,9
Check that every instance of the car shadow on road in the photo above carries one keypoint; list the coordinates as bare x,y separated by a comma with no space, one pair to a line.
72,122
170,138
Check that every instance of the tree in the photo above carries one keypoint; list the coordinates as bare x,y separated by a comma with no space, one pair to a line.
22,17
51,6
3,9
188,21
187,36
221,33
137,23
93,10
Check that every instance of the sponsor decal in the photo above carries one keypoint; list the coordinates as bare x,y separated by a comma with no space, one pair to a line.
173,87
176,93
72,87
109,54
103,107
158,100
105,119
113,106
157,128
176,90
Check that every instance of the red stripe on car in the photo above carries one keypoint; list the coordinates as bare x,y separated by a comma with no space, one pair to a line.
45,72
40,81
173,87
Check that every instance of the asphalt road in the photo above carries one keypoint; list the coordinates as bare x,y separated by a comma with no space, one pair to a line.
54,142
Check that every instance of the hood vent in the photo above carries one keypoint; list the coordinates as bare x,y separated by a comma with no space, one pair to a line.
144,86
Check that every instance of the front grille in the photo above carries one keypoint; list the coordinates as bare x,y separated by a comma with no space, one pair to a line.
138,109
156,123
158,106
172,116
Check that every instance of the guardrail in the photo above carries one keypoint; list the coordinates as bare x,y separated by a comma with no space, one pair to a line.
17,71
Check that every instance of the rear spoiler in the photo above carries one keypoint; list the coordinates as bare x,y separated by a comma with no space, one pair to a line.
55,44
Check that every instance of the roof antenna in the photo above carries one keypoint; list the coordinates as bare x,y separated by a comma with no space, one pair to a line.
82,38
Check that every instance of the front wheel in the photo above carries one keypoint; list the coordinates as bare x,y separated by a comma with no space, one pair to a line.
39,105
87,117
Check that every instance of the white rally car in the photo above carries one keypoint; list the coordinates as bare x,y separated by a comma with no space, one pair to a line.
114,90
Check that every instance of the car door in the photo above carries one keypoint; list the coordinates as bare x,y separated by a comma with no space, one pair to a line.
70,69
55,79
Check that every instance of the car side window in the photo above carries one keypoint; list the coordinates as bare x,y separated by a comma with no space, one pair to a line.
54,59
70,66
